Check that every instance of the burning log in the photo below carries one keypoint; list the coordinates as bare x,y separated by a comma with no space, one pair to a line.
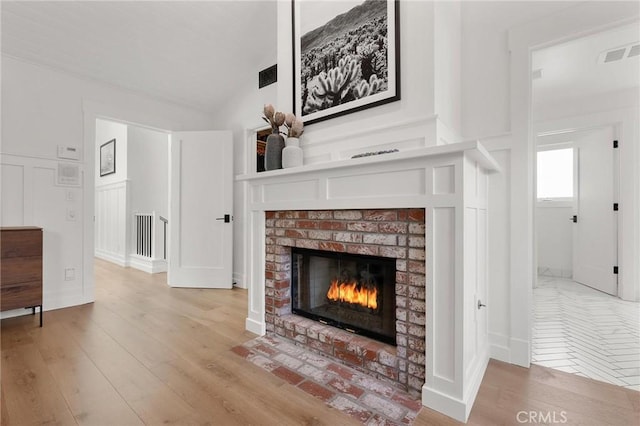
353,293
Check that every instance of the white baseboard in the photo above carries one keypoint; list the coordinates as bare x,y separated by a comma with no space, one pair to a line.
520,352
150,266
255,327
499,347
457,408
506,349
56,301
443,403
117,258
51,302
239,280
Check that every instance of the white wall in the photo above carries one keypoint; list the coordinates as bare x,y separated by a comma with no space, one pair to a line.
42,108
554,236
627,98
485,71
447,60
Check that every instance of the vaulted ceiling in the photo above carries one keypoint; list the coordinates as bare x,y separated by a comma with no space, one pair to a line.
201,53
195,53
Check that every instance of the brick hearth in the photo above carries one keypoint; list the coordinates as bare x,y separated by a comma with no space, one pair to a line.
392,233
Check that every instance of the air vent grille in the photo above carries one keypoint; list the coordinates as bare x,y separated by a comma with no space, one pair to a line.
619,53
268,76
614,55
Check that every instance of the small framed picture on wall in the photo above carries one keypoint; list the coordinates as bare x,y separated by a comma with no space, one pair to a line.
108,158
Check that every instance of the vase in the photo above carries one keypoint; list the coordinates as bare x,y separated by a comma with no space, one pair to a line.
292,153
273,152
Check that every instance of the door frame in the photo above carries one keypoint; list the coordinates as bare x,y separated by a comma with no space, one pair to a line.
522,42
91,112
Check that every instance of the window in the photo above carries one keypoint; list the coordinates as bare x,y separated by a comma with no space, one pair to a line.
555,174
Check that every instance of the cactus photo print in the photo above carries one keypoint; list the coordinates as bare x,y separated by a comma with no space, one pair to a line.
345,56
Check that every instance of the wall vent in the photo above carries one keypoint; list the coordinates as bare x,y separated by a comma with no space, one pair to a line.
619,53
268,76
614,55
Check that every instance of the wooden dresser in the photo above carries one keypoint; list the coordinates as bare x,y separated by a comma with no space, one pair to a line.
21,263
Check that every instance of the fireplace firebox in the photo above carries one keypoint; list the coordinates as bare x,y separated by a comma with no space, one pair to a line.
349,291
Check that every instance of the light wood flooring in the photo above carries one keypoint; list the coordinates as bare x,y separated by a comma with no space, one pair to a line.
144,353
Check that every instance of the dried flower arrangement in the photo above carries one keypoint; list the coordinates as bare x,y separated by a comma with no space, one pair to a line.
275,119
294,125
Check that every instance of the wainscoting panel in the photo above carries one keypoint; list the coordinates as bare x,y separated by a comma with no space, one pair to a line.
112,222
378,184
32,196
444,229
12,194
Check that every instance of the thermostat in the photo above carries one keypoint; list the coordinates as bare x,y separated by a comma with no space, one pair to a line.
68,152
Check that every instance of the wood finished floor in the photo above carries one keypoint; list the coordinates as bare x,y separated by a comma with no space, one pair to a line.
147,354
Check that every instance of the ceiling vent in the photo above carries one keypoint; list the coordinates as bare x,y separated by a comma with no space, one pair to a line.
619,53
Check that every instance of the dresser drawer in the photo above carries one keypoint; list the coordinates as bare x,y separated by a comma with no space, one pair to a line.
22,295
24,243
20,270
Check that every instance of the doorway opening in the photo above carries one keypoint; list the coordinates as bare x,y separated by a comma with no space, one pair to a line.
580,325
131,196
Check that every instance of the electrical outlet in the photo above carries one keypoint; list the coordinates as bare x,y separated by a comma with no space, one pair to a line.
70,195
69,274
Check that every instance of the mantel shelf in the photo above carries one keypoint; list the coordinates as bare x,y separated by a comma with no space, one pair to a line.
472,148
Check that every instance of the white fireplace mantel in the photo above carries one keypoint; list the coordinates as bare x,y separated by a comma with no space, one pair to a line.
451,183
474,149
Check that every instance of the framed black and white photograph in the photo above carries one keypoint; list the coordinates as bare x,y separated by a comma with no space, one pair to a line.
108,158
345,56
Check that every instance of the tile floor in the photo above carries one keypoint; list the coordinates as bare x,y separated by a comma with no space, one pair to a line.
370,401
580,330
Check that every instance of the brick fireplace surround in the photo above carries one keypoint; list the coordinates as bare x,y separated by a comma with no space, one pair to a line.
391,233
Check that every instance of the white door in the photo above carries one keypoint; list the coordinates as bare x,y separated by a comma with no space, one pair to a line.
595,227
201,201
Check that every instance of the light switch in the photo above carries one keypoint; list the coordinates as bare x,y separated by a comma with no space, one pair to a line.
69,274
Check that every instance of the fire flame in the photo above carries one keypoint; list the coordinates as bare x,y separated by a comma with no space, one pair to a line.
349,292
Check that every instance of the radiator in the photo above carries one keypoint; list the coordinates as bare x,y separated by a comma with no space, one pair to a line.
144,234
